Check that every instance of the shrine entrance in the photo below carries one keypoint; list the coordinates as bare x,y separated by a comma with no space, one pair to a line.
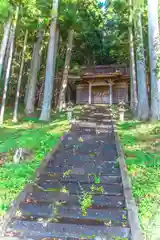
103,85
100,95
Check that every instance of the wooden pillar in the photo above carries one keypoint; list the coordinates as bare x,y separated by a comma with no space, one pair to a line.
110,93
90,94
127,100
111,82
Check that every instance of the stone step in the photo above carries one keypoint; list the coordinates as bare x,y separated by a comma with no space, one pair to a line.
93,147
89,145
96,115
73,136
15,238
102,201
101,170
76,142
36,238
32,238
83,130
69,177
87,148
82,154
58,230
100,132
109,138
101,155
95,130
91,164
115,216
73,188
39,238
93,122
92,126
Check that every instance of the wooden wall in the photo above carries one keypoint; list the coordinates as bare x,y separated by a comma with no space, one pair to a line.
120,93
82,93
100,94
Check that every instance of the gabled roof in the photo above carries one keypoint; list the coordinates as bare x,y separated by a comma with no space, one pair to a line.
100,72
104,71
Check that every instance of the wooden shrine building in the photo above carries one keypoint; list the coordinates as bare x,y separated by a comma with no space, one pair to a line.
103,85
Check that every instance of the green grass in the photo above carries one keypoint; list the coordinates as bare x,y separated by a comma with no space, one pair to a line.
141,144
31,134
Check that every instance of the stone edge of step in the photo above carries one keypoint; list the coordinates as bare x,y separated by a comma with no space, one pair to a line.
136,232
22,195
52,230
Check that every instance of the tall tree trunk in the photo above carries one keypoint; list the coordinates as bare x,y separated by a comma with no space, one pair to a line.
4,42
7,56
133,82
40,95
56,50
50,67
20,78
154,48
12,36
30,101
5,62
30,73
62,95
26,90
143,106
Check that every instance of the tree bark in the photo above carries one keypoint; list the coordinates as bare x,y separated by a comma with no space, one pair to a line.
5,62
143,106
50,67
6,56
26,90
20,78
62,95
133,82
55,56
12,36
29,108
154,48
4,42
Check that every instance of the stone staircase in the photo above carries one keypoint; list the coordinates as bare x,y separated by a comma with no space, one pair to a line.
79,194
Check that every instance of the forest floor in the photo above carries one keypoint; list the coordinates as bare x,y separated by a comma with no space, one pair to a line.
33,135
141,144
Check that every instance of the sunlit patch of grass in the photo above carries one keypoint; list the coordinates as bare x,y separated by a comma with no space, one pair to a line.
33,135
141,144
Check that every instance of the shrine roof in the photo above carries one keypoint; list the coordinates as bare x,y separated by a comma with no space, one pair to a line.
101,76
101,72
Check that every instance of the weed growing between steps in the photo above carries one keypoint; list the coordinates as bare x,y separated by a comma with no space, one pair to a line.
97,178
36,136
85,202
141,144
86,198
67,173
